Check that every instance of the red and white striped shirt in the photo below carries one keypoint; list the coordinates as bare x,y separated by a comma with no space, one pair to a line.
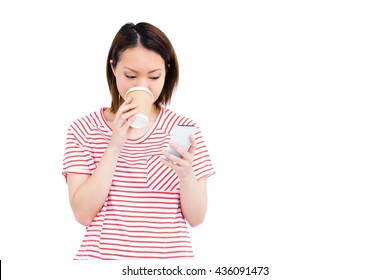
141,217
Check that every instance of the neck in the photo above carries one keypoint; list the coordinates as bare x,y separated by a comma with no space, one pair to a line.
154,113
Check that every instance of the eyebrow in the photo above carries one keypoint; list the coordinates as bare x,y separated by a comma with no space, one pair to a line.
135,71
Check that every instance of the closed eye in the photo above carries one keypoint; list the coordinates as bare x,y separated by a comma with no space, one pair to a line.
155,78
130,77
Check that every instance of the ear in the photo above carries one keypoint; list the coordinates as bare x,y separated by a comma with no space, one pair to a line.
112,68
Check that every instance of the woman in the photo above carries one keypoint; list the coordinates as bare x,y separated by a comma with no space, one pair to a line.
134,202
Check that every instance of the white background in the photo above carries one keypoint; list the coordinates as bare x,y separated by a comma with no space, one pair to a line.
292,98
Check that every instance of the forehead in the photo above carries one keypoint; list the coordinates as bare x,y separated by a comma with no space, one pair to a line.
140,57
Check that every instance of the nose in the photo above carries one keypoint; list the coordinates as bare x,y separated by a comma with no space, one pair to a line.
143,82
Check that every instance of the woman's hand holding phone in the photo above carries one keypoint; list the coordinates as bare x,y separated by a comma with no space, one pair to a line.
181,150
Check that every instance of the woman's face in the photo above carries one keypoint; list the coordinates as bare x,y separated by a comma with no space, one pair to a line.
140,67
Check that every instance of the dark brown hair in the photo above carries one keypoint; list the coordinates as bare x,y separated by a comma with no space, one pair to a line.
150,37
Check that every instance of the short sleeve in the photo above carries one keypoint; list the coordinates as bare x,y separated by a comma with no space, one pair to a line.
202,164
77,158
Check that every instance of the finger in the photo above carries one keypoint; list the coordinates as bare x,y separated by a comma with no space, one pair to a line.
130,121
127,107
125,102
128,100
174,160
193,146
128,118
168,163
124,112
129,114
178,149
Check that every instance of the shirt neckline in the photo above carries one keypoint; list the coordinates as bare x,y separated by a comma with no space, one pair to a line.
137,140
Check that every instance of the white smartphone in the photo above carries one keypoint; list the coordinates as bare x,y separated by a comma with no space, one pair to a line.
181,136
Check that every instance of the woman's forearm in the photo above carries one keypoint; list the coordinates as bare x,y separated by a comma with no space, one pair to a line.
89,197
193,196
193,193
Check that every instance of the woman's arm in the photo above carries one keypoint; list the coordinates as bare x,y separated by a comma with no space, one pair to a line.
193,193
193,197
87,193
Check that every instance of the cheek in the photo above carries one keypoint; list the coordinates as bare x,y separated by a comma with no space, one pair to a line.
156,89
123,84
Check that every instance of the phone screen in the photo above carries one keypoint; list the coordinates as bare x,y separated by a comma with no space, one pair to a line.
181,136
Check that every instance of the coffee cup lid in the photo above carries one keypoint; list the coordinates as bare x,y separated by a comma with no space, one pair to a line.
139,88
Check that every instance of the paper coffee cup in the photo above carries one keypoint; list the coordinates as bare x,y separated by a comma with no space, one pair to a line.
143,97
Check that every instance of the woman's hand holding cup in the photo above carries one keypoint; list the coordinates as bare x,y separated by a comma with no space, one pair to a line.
121,125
